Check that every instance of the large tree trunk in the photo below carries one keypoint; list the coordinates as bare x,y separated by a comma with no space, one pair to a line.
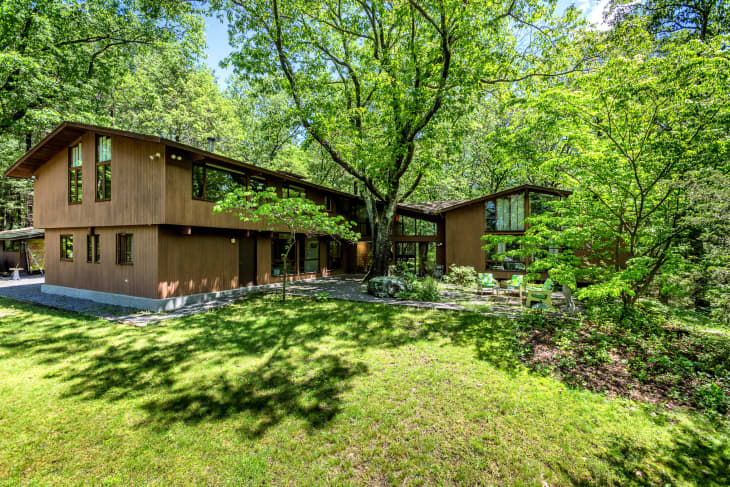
381,245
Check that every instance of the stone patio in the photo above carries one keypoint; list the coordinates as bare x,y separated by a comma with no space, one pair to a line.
345,287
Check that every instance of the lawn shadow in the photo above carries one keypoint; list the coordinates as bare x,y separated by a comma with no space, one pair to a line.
260,360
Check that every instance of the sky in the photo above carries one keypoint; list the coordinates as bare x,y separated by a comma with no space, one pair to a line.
216,34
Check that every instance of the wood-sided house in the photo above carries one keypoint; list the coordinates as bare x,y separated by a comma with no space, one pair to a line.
128,220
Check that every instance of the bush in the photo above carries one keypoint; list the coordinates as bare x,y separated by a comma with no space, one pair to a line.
465,276
428,290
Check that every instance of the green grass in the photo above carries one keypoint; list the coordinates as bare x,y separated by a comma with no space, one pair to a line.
318,393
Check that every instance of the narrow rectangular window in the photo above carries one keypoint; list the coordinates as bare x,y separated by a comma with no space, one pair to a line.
75,163
93,252
103,168
334,255
125,249
67,247
309,256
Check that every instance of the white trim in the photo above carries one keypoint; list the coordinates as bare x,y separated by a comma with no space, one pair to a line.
151,304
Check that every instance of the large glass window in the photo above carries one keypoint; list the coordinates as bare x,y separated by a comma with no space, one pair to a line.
93,251
509,213
291,191
125,248
334,255
211,183
309,256
103,168
405,252
406,226
278,248
505,263
75,163
67,247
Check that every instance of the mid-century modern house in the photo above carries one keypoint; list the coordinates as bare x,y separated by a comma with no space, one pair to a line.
23,248
128,220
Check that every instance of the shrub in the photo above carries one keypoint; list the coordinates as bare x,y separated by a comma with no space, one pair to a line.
712,398
428,290
461,275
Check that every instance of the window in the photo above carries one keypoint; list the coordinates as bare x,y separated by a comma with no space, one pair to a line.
510,213
93,252
505,262
211,183
278,248
67,247
490,210
334,255
125,248
309,256
329,203
75,174
405,252
256,183
103,168
291,191
406,226
11,245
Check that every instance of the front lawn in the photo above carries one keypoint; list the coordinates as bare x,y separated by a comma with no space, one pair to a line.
312,393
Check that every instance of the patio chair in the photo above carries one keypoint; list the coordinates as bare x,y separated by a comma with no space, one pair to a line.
515,284
542,295
486,281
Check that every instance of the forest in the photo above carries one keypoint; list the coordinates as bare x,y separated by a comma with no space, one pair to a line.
408,101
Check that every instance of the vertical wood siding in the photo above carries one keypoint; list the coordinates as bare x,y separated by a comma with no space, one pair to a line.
137,187
464,228
137,279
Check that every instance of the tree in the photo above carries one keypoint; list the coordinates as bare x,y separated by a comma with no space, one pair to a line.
295,215
62,54
368,78
637,124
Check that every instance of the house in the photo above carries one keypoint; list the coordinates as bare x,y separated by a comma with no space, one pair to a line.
22,247
128,220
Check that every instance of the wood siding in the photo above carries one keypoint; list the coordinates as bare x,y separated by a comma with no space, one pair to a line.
137,279
10,259
464,229
137,187
198,263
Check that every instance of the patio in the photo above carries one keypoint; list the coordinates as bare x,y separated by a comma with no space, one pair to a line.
344,287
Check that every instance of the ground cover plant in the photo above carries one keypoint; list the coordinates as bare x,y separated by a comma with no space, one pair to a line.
648,355
320,393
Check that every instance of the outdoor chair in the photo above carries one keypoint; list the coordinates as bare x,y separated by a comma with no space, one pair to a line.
515,284
542,295
486,281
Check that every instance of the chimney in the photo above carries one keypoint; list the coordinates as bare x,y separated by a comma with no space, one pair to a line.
211,142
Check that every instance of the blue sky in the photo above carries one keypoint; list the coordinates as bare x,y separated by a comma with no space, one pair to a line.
216,33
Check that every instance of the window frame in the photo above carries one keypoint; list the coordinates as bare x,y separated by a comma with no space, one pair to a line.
206,166
288,188
63,249
125,236
93,252
75,175
105,164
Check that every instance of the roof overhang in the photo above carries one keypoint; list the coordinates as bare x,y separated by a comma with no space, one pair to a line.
22,233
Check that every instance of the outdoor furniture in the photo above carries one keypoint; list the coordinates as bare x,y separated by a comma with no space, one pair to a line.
486,281
438,271
542,295
515,284
16,273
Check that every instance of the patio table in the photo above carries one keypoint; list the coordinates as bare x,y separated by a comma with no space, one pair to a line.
16,273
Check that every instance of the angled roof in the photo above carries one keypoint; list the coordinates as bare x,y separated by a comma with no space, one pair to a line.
507,192
63,135
22,233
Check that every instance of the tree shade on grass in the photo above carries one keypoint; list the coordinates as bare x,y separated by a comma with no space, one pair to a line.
317,393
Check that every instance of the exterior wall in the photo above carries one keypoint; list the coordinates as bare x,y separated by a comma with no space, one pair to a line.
10,259
137,187
137,279
198,263
464,229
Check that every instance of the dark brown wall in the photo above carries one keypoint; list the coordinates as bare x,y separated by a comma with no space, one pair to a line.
464,228
10,259
137,279
137,187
